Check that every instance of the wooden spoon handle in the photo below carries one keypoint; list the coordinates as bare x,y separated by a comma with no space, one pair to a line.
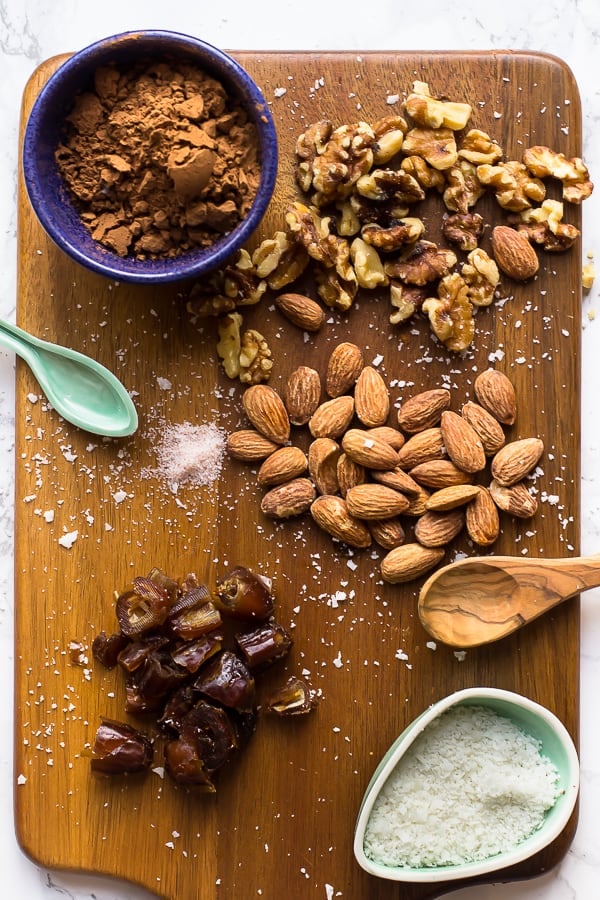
584,571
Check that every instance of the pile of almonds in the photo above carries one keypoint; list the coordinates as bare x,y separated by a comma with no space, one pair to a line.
366,481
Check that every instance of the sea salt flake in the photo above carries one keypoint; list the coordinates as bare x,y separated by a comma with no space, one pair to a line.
164,383
67,540
279,92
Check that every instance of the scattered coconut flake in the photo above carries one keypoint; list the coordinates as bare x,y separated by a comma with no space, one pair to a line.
33,398
67,540
391,99
49,515
164,383
279,91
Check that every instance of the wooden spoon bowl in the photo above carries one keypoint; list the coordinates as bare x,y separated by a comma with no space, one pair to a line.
479,600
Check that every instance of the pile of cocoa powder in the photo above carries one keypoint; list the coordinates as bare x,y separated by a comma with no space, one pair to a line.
159,159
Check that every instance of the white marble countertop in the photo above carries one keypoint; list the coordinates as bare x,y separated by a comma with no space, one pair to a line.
33,30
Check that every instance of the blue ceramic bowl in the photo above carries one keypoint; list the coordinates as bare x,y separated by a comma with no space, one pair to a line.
45,187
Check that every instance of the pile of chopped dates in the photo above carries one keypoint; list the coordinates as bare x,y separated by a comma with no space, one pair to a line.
359,225
191,660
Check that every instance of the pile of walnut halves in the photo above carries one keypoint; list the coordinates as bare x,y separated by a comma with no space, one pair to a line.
191,661
359,224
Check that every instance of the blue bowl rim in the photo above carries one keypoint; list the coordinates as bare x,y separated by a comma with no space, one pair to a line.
99,259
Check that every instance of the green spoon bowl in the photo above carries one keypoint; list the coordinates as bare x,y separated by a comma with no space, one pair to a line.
80,389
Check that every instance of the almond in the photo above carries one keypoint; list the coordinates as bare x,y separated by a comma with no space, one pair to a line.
323,455
514,253
331,418
301,311
371,398
290,499
375,501
331,514
349,473
515,500
388,533
439,473
392,436
302,394
369,451
496,394
417,505
408,562
462,442
515,460
452,497
423,410
282,465
343,368
265,409
399,480
421,447
436,529
488,428
482,519
249,445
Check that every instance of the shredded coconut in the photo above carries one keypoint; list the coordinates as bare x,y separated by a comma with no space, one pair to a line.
190,454
472,785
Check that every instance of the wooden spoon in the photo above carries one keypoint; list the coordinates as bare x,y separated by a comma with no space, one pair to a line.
479,600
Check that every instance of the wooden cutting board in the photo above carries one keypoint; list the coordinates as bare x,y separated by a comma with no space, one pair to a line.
284,814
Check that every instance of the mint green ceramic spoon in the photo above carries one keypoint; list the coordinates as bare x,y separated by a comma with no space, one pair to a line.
81,390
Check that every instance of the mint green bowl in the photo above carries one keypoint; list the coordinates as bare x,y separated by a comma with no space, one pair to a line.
530,717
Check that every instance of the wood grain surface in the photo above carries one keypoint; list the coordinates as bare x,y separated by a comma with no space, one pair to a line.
283,817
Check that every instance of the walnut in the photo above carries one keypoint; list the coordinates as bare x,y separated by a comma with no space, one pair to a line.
406,300
389,135
428,177
588,276
573,173
463,229
241,282
313,232
463,187
451,314
367,264
543,225
393,237
309,145
348,154
480,274
424,262
515,188
376,211
229,343
432,113
436,145
348,223
335,291
280,260
255,358
479,148
204,303
390,185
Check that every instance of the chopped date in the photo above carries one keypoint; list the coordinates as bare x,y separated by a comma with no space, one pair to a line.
191,657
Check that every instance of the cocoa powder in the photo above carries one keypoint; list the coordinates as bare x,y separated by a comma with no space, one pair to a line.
159,159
